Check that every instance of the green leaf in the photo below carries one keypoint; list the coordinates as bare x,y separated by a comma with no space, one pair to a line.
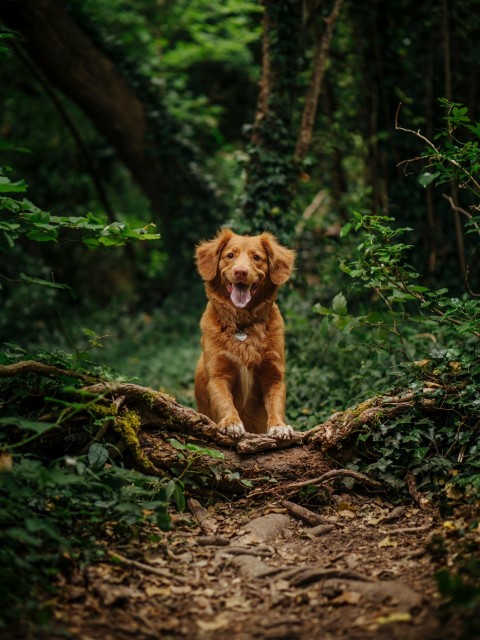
427,178
325,328
6,186
339,305
97,456
321,310
345,230
44,283
46,234
29,425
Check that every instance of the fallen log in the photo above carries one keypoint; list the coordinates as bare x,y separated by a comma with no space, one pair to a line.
161,437
156,434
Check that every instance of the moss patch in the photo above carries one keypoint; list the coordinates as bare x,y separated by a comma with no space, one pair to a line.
128,426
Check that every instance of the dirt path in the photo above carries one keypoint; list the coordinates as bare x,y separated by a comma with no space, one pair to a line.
258,572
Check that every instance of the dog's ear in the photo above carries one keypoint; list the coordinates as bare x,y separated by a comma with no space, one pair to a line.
280,258
208,252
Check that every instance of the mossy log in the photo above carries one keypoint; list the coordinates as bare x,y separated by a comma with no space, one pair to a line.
150,429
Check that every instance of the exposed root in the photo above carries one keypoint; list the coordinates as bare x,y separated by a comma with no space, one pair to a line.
336,473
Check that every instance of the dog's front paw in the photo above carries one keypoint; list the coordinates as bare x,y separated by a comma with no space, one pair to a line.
233,429
281,433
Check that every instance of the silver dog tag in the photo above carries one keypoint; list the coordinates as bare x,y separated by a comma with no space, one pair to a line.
241,335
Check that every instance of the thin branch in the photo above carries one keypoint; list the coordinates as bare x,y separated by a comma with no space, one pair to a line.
432,146
313,93
461,210
156,571
305,515
310,210
401,530
39,368
415,133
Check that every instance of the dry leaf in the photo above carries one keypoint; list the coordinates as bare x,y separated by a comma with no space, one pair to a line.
152,590
347,597
6,462
394,617
387,542
217,623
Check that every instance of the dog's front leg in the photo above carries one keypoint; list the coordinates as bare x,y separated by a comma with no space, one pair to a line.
274,398
220,384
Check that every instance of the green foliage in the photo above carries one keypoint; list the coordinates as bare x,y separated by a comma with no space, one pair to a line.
23,219
54,516
456,154
461,587
435,449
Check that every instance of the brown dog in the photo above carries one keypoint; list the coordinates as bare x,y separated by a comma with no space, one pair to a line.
239,382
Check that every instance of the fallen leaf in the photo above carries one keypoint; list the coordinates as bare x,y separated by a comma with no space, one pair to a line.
373,521
157,591
217,623
6,462
387,542
346,510
180,591
394,617
347,597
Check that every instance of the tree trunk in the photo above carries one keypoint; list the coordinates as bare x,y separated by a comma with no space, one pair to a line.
278,143
148,145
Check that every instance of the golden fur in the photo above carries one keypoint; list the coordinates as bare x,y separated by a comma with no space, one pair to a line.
239,382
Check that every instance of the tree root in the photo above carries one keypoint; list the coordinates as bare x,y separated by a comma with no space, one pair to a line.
336,473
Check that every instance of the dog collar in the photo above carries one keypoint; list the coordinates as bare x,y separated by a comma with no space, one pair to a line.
241,335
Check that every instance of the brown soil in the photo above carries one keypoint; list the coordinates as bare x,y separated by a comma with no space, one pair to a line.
255,571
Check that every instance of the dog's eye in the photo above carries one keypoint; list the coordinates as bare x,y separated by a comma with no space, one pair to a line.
230,255
257,258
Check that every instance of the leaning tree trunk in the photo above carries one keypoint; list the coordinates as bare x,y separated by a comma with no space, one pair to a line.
126,109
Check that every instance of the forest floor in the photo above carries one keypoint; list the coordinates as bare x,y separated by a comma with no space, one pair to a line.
252,570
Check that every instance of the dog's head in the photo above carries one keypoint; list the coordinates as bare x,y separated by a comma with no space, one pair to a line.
243,265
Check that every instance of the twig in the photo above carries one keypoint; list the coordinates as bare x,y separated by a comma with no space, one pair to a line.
212,541
460,210
164,573
309,575
261,551
310,210
304,514
321,530
415,133
423,527
337,473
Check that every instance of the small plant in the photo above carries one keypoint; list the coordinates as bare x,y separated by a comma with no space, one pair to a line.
53,516
440,446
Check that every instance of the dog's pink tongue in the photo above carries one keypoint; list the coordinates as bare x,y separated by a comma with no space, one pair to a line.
240,295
